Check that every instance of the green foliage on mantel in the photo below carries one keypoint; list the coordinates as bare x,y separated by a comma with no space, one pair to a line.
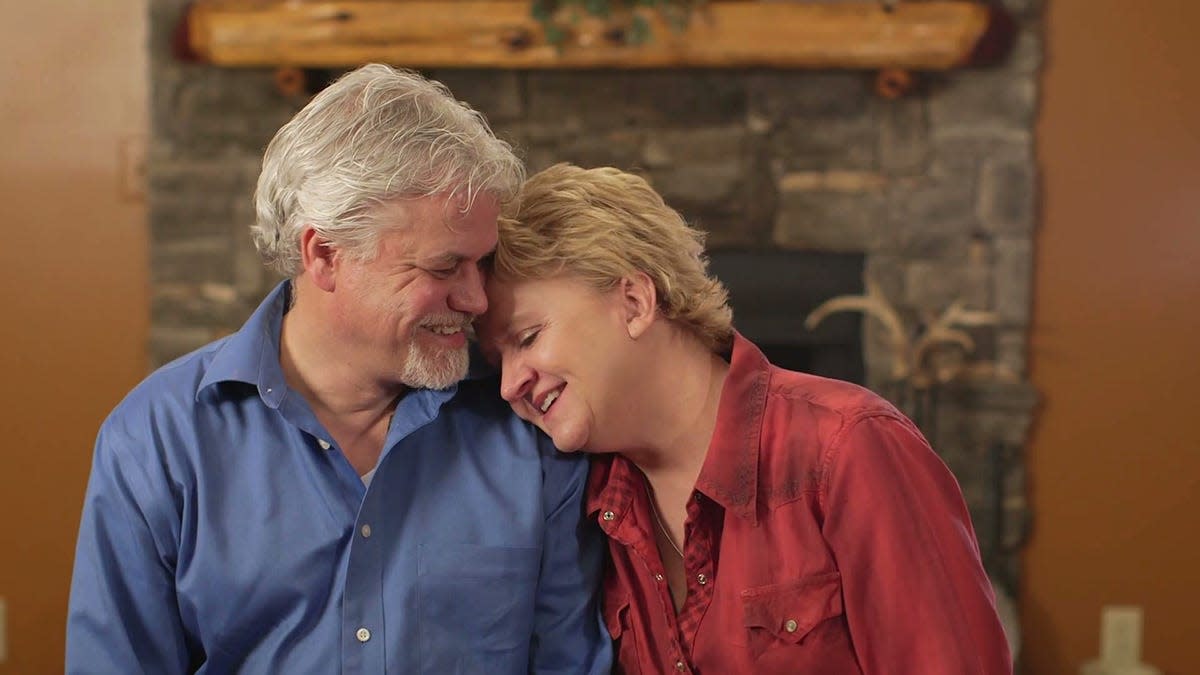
628,15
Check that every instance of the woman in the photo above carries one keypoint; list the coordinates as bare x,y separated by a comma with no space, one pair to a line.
759,520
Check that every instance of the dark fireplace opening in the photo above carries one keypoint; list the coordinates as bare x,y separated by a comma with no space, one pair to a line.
773,292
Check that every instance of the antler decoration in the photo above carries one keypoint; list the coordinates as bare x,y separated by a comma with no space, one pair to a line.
937,355
872,303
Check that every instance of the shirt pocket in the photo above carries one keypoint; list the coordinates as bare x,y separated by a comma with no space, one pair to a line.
476,606
620,628
783,614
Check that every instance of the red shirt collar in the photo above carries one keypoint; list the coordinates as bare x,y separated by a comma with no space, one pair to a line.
729,475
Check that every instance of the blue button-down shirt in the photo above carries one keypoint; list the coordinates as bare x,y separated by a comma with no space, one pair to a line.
224,531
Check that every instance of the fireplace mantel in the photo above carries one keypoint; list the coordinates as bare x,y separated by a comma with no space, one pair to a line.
906,36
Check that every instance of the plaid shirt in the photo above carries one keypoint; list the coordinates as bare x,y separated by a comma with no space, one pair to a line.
628,518
823,536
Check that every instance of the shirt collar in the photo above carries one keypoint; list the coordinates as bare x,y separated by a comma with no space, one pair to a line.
729,475
612,481
251,355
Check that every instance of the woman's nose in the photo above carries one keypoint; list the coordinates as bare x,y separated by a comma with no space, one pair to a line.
515,380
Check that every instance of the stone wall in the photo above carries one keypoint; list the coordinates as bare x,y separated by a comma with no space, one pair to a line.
936,190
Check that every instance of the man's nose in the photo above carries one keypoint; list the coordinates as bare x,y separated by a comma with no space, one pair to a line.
468,295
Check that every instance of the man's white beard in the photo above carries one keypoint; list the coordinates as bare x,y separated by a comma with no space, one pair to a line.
431,368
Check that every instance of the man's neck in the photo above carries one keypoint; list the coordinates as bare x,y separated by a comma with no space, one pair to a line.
353,407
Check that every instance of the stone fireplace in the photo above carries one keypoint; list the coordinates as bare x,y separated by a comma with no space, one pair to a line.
773,292
809,184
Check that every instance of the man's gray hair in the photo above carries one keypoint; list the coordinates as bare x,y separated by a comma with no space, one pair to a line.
374,135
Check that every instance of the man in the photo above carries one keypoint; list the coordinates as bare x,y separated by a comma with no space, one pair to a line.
319,493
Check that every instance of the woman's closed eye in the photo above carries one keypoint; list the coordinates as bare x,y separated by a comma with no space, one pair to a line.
527,337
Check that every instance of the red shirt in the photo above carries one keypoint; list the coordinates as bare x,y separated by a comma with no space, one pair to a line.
824,536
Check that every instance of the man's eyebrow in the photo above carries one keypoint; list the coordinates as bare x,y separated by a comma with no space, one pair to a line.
455,258
445,259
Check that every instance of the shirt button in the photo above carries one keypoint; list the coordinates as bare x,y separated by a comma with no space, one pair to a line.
323,443
701,579
680,666
609,515
366,531
362,634
658,577
790,626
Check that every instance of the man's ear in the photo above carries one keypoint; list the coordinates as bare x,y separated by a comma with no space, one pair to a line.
639,302
319,258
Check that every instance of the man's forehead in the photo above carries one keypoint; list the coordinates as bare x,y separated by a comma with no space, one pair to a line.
444,210
426,230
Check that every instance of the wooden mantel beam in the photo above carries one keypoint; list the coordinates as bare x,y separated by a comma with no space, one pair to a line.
927,35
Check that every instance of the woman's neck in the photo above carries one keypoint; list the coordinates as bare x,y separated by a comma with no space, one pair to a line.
680,412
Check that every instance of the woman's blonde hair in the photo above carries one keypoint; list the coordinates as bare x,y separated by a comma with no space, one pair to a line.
601,225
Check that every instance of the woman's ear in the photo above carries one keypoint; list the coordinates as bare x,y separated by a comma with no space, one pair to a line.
319,259
639,302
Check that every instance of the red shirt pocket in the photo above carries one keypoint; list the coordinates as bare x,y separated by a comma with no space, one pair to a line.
620,628
783,614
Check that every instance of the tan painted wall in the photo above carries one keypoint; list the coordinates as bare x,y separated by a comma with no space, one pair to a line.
72,340
1116,344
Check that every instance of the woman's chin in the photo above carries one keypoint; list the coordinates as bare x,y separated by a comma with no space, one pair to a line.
567,442
567,447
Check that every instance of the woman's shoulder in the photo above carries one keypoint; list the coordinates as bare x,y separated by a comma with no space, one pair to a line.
834,396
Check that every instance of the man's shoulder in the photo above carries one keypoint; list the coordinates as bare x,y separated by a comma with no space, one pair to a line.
479,398
166,393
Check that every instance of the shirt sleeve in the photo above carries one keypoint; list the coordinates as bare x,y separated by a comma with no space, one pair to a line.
917,599
569,636
123,616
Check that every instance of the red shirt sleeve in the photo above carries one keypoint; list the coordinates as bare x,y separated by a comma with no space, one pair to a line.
917,599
